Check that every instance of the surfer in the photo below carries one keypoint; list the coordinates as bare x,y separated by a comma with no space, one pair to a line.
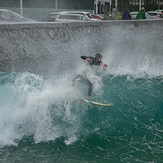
97,60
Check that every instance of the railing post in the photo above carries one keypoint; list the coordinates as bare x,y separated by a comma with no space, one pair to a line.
21,7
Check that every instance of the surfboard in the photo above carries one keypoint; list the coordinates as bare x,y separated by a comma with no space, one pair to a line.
95,103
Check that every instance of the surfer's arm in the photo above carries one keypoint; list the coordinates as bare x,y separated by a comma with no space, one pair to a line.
105,65
86,58
83,57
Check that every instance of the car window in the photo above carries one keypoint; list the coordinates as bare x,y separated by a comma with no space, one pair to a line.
81,18
147,15
80,13
152,14
67,17
54,16
9,15
93,16
74,17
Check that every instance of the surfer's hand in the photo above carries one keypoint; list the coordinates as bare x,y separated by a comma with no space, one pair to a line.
88,98
105,65
88,59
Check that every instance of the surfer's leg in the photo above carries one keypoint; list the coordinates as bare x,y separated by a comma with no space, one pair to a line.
89,90
78,76
90,85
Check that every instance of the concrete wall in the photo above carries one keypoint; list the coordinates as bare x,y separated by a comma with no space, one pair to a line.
42,48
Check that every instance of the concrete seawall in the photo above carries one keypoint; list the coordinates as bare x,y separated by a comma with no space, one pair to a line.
42,47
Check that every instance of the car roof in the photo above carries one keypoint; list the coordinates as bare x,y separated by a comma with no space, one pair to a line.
56,13
135,12
4,10
152,12
73,14
76,12
158,10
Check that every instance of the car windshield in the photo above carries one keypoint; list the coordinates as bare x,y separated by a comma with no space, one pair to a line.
54,16
99,16
10,15
73,17
152,14
89,15
147,15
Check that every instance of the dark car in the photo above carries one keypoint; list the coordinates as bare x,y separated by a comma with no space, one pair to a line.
10,16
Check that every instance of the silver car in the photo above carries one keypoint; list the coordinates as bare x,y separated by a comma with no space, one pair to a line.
86,14
72,18
134,14
160,11
155,14
10,16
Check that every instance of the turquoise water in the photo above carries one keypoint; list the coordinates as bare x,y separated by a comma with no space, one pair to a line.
42,120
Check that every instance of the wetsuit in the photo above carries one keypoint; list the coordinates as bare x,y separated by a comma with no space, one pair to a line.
93,60
90,84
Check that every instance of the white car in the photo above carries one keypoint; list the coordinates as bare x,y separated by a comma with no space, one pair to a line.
87,14
72,18
160,11
154,13
51,17
134,14
10,16
148,16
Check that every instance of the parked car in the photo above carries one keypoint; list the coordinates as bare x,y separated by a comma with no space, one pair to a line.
154,13
87,14
10,16
160,11
134,14
72,17
96,16
51,17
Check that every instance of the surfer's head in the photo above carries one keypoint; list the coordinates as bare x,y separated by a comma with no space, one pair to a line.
99,56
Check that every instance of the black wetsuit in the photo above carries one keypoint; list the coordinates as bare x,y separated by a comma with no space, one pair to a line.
94,60
90,84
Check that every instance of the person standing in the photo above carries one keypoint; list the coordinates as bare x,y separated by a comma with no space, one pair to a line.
114,14
107,16
141,14
119,16
126,15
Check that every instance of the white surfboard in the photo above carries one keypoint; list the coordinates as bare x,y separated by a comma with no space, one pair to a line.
95,103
